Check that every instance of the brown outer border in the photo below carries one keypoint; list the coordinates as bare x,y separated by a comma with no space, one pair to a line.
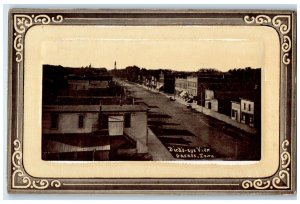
294,104
153,188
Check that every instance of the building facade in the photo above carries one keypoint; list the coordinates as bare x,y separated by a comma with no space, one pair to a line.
160,82
209,96
236,111
86,83
181,87
109,123
244,112
192,86
247,112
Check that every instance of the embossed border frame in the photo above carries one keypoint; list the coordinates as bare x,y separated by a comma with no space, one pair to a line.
282,182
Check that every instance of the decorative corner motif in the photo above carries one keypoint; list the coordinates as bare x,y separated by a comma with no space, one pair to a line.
22,181
23,23
282,23
281,180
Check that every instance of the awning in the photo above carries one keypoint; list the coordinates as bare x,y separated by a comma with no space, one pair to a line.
159,86
178,91
183,93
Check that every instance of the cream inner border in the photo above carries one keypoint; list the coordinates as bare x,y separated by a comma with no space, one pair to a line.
33,61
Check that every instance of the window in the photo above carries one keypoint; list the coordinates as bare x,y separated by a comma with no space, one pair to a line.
54,121
249,107
244,106
81,121
127,118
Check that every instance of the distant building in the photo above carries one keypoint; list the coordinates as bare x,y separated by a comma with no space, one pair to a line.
207,81
214,105
192,86
236,111
210,101
153,82
160,82
169,83
85,83
209,96
247,112
222,92
244,112
181,87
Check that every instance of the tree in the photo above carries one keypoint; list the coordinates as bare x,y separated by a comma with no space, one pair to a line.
208,70
132,73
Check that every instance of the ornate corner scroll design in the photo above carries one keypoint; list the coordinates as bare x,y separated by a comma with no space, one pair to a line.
21,180
282,23
23,23
281,180
260,19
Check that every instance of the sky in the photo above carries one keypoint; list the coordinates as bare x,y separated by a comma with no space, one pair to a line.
182,48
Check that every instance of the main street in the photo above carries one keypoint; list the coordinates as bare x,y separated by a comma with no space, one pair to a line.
180,129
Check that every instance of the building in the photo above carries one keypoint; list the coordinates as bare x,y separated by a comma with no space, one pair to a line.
153,82
247,112
222,92
208,81
210,101
192,86
236,111
91,117
181,87
209,96
169,83
214,105
66,128
146,80
244,112
160,82
88,82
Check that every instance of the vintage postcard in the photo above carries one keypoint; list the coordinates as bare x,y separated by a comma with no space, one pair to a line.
132,101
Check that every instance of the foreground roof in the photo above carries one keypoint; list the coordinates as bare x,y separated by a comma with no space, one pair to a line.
94,108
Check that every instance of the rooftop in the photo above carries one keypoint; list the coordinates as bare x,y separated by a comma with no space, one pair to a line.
95,78
236,95
94,108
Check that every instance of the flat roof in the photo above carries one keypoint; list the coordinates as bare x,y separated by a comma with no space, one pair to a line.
246,99
237,102
94,108
94,78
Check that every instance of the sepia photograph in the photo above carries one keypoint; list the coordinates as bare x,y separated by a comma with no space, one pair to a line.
150,97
